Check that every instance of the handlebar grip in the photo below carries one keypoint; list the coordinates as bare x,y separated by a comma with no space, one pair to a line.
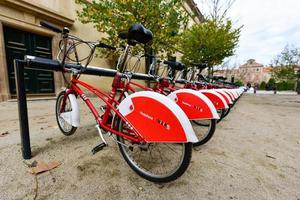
175,65
106,46
50,26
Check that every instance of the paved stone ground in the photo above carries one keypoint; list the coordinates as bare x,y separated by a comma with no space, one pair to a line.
251,91
254,154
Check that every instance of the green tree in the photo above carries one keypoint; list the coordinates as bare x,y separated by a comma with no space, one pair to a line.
164,18
262,85
238,83
271,83
285,63
209,42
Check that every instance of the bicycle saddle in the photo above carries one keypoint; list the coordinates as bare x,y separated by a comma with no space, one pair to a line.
200,65
175,65
137,34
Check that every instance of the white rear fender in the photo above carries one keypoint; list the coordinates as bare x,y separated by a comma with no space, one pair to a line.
157,118
239,91
225,95
195,104
234,95
229,94
216,98
73,116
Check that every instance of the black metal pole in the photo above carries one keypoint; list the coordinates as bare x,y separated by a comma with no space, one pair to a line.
22,106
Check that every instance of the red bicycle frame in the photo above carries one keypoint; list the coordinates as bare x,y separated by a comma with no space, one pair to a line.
109,99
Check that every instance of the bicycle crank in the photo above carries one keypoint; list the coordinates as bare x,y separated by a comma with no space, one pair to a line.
100,146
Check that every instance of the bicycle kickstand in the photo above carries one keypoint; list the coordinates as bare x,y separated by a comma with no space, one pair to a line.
100,146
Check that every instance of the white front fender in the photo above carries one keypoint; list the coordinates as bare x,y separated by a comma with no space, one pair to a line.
73,116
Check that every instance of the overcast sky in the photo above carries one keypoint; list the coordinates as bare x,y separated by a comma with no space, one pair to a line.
269,25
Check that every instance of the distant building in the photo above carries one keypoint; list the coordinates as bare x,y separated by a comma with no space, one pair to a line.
251,72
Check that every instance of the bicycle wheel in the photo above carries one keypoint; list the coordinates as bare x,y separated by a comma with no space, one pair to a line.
66,128
204,131
156,162
227,111
221,114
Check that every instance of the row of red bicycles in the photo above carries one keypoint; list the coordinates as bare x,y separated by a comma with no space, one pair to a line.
155,127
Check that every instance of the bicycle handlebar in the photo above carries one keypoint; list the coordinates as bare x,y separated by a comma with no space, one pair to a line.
51,27
105,46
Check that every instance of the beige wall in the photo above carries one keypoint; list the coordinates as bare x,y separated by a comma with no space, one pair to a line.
14,14
4,93
246,75
64,7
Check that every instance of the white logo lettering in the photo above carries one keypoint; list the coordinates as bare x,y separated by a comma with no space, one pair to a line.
147,116
185,103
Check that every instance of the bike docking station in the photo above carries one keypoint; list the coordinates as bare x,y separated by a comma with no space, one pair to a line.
37,63
141,120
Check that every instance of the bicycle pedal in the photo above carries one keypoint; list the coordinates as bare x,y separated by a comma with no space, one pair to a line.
98,148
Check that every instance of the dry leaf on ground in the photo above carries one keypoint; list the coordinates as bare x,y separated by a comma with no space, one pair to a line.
270,156
4,134
42,166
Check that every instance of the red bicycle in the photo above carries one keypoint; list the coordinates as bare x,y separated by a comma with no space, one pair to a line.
152,132
163,85
192,77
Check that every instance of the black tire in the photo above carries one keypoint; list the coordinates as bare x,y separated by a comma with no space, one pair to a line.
71,129
221,114
209,129
151,163
227,111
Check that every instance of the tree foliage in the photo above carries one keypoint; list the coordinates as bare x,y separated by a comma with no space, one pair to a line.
164,18
263,85
285,85
239,83
285,63
209,42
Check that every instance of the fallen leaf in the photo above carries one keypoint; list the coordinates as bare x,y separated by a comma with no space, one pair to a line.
33,164
42,166
270,156
4,134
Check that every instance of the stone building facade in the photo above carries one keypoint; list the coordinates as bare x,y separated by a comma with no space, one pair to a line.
251,72
20,34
